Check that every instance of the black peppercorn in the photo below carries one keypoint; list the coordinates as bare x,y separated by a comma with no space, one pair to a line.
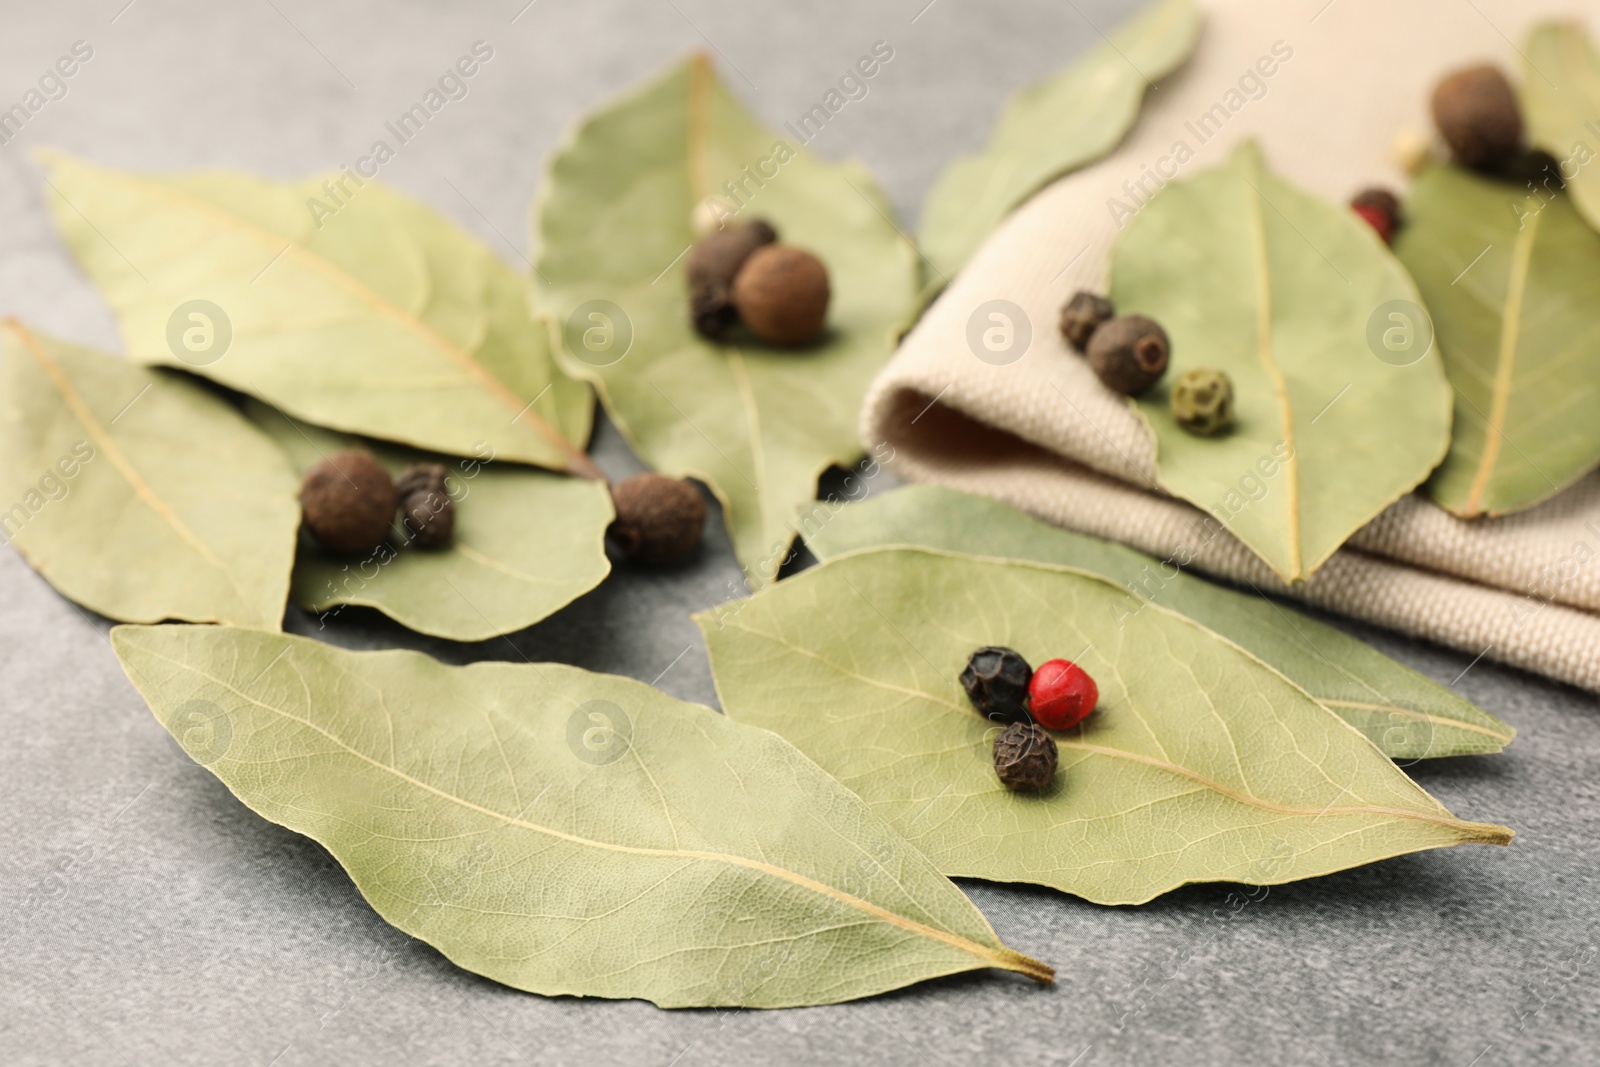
348,502
713,262
1477,114
1025,758
659,519
782,294
425,505
1129,354
996,680
1082,315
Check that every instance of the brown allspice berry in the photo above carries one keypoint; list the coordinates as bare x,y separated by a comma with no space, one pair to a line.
1082,315
713,262
425,505
1129,354
348,502
781,294
1476,111
659,519
1025,758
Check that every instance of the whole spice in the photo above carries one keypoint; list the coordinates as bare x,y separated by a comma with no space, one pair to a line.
1061,694
1411,151
1025,758
713,262
1202,401
1476,111
1082,315
1129,354
1381,210
996,681
659,519
425,505
781,294
348,502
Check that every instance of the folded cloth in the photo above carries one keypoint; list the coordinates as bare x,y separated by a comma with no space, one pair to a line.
1327,88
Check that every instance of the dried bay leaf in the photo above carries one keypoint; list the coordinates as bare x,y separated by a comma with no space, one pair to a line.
1561,105
527,542
757,424
1281,290
1402,712
381,317
1513,285
138,493
565,832
1052,128
1201,764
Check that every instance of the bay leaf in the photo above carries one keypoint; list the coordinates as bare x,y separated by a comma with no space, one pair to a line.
565,832
1513,285
1402,712
1053,128
1282,291
137,493
527,542
1561,105
366,312
1200,764
757,424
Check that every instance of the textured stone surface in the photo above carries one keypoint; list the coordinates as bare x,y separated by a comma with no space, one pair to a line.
148,917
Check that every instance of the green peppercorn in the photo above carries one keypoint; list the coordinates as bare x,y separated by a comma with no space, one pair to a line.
1082,315
1025,758
1202,401
996,680
425,505
1129,354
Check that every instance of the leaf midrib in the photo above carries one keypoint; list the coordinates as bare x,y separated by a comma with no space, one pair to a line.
1486,832
269,242
1395,709
1264,348
996,957
1505,366
124,466
696,135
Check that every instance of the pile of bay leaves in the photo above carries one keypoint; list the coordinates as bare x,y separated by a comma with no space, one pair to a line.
567,832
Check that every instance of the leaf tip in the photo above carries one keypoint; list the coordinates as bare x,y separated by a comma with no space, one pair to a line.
1042,973
1488,833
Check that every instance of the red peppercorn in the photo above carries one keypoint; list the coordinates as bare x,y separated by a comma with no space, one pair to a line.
1377,220
1380,208
1061,694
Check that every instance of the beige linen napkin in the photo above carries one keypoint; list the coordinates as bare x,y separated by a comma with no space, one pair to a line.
1325,87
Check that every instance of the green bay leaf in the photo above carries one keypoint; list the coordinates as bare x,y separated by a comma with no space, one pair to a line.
1200,764
758,425
1561,104
565,832
527,542
1402,712
1253,276
1513,285
366,312
1053,128
138,493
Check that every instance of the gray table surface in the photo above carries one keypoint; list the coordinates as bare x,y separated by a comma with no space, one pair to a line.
148,917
